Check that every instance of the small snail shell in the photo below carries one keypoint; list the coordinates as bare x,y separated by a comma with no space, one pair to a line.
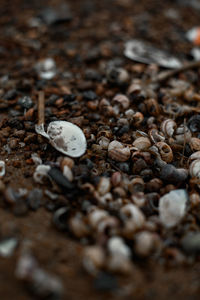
136,185
194,123
40,173
145,243
142,143
194,168
93,259
122,100
194,156
103,186
133,217
95,216
165,151
195,143
118,152
168,127
116,178
183,134
117,246
156,136
152,107
137,119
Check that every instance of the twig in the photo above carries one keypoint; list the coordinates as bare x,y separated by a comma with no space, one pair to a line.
41,108
166,75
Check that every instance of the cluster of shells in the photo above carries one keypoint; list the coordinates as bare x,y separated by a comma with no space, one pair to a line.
147,178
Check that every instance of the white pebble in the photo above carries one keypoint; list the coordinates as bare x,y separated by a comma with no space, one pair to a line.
172,207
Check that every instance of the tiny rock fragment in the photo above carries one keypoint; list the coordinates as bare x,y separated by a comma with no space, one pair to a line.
60,179
40,173
172,207
7,246
2,168
191,243
146,53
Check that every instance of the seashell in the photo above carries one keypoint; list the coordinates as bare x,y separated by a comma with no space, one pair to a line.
183,134
103,142
138,199
133,217
93,259
195,143
108,225
137,119
156,136
165,151
172,207
194,156
142,143
95,216
152,107
103,186
194,199
2,168
117,75
117,246
66,161
129,113
194,123
36,159
136,185
77,226
122,100
145,243
135,87
118,152
67,172
40,173
65,137
168,127
116,178
194,168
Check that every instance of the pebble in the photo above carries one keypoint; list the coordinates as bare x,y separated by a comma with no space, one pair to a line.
191,243
34,199
7,246
89,95
172,207
25,102
60,179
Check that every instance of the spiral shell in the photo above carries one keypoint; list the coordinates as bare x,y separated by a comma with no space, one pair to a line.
194,123
156,136
168,127
118,152
152,107
165,151
137,119
194,168
133,217
183,134
195,144
194,156
142,143
122,100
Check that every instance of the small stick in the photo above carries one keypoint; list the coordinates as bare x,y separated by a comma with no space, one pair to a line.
41,108
166,75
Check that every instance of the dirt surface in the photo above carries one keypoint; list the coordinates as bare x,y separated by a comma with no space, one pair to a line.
93,34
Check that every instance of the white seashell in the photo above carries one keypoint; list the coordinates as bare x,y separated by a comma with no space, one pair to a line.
36,159
95,216
40,172
172,207
144,243
195,168
116,246
93,259
2,168
65,137
104,186
134,218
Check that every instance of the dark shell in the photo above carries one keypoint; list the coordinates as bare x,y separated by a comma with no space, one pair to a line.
194,123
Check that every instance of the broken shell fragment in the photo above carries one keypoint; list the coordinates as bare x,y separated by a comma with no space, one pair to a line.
172,207
40,172
65,137
2,168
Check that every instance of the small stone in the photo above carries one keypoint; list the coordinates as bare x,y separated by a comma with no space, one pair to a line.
7,246
13,143
25,102
105,282
10,95
172,207
60,179
34,199
191,243
89,95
